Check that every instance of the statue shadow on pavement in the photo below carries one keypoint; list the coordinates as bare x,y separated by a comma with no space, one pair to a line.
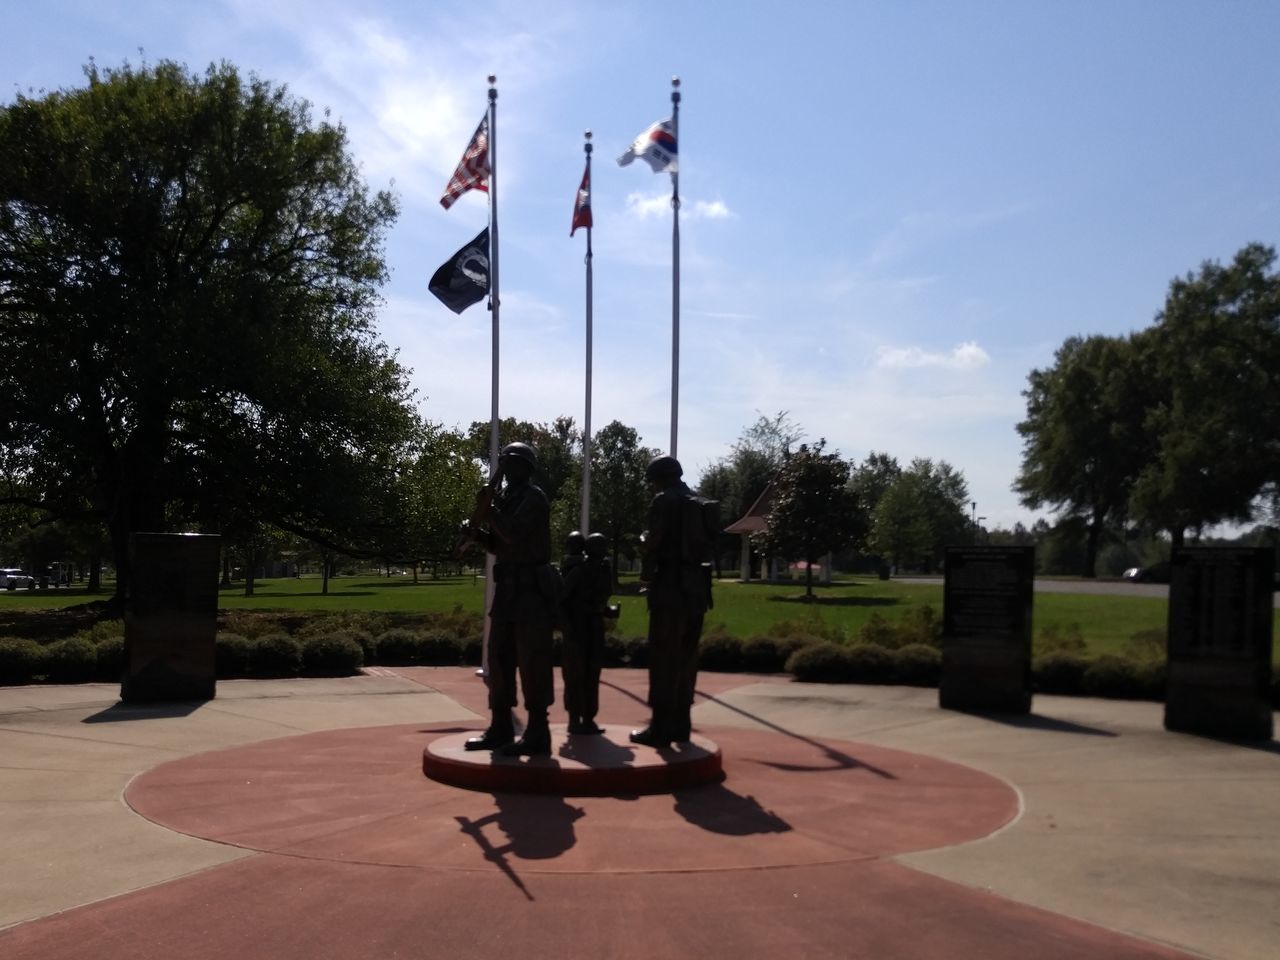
535,827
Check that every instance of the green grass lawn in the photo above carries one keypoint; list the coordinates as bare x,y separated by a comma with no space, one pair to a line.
1107,623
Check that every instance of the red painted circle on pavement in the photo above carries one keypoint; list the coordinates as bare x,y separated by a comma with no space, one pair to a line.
359,796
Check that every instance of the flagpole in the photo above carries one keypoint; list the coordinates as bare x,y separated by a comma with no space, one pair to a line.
586,417
494,301
675,269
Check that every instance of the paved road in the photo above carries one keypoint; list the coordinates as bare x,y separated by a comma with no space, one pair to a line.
1113,588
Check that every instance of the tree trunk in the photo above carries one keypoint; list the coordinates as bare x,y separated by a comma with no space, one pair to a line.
226,568
808,581
1178,536
1094,538
324,576
95,572
251,558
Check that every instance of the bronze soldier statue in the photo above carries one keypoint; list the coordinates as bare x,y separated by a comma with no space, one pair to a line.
514,524
584,606
677,551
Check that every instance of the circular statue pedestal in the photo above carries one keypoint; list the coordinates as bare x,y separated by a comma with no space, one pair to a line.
580,765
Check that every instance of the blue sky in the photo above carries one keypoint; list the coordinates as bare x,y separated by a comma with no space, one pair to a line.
892,211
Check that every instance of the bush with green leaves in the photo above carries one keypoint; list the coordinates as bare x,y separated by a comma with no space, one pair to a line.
1058,672
766,654
110,662
917,665
869,663
232,654
1110,676
459,623
811,625
73,660
879,632
332,656
439,647
399,647
1147,645
720,650
1054,638
921,625
344,622
472,648
620,651
824,662
275,655
102,630
21,660
361,638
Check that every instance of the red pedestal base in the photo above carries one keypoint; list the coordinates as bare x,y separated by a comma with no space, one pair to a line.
598,765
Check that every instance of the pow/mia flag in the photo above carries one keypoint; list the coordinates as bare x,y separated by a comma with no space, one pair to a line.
463,279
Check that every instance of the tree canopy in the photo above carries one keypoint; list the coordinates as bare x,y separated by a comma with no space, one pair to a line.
814,512
189,266
1176,427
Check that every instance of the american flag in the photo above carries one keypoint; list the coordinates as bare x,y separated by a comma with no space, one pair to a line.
582,204
473,168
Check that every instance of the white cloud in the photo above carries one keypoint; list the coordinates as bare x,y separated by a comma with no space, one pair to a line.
642,206
710,210
964,356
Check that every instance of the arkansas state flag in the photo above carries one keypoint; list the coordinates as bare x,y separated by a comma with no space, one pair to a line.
656,147
473,169
582,205
463,279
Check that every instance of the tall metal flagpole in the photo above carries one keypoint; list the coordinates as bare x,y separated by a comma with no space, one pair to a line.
494,301
675,268
586,417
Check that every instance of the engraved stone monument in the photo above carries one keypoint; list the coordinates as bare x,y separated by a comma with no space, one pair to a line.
171,618
1220,637
986,629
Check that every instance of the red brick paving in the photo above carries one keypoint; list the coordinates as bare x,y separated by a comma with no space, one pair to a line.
363,857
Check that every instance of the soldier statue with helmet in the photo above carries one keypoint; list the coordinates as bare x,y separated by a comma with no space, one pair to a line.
512,520
676,567
584,606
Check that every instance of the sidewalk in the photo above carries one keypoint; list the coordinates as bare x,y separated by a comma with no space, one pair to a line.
1121,839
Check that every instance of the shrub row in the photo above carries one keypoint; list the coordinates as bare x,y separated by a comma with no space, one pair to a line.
915,664
280,655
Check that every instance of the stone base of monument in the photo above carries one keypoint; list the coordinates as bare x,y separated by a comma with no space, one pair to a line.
580,765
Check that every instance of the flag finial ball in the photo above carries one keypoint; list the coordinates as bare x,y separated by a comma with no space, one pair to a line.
675,81
587,133
492,79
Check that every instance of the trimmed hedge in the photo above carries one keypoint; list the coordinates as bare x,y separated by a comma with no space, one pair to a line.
766,654
334,656
435,646
399,646
918,665
275,655
232,654
21,660
721,652
821,663
73,660
1058,672
110,663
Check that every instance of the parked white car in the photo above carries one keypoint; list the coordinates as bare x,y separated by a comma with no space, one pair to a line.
11,578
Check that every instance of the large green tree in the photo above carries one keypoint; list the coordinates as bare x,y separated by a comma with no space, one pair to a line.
189,267
619,497
814,512
1084,438
737,481
1214,424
